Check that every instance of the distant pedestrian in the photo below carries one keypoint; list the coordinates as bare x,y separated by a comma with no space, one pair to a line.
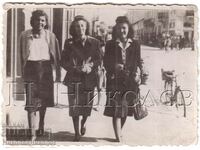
160,41
173,42
182,43
167,43
177,42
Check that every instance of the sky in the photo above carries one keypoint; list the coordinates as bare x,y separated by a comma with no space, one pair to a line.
108,15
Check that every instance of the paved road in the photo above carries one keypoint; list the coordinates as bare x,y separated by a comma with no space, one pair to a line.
164,125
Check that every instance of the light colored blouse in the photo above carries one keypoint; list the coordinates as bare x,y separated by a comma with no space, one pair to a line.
123,48
39,49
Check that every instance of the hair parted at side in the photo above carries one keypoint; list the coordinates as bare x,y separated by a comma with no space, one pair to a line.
36,14
72,30
122,19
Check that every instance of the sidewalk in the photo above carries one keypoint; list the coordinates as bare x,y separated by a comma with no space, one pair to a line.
163,125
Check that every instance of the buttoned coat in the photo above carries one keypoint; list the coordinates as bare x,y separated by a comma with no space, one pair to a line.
81,85
119,82
74,54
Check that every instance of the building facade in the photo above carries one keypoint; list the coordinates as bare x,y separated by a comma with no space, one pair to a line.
154,23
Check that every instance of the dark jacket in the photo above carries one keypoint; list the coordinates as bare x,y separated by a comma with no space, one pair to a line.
113,56
74,54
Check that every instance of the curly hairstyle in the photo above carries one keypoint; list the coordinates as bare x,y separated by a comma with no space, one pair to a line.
122,19
36,14
72,30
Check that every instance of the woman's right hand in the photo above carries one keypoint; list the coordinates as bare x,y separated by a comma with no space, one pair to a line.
87,66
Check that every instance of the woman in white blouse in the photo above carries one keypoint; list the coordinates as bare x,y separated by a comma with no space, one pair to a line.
38,52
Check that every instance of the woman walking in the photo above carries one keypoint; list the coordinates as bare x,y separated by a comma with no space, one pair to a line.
122,62
80,58
38,50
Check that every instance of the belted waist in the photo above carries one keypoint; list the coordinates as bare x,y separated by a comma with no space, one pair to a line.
41,62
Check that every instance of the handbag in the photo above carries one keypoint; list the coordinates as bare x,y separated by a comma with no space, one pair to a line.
139,111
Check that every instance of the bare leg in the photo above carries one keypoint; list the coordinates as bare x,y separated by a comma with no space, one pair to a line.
117,128
42,113
123,120
31,123
76,128
83,126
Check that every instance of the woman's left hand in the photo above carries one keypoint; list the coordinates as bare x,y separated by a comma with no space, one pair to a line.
138,76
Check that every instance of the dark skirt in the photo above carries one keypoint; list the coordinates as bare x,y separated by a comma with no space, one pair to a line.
120,99
80,99
38,77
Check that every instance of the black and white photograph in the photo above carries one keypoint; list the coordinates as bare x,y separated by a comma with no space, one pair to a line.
99,74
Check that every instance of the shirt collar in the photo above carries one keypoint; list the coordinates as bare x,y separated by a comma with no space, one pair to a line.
129,41
86,40
30,34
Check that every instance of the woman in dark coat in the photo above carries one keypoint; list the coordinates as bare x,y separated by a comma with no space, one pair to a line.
38,51
80,58
122,62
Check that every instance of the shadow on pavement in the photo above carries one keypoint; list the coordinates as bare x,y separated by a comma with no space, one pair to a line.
62,136
67,136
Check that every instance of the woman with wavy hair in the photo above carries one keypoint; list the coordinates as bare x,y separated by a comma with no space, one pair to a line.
122,62
38,52
80,58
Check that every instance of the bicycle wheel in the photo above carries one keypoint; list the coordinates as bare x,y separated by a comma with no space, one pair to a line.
166,96
180,102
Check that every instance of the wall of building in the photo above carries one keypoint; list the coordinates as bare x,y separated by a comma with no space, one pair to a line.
158,22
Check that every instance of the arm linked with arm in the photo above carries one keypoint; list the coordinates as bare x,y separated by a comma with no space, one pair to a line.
108,60
97,57
65,58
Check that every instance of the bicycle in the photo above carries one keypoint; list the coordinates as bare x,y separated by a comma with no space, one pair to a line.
173,93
